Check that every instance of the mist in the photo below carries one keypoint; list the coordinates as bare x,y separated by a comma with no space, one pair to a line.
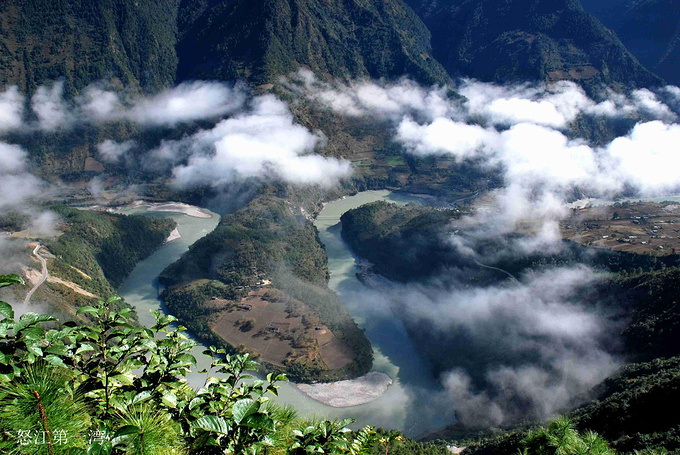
519,349
515,349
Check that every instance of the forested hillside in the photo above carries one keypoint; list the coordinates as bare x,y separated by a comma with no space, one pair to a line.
128,43
262,40
522,40
650,29
98,250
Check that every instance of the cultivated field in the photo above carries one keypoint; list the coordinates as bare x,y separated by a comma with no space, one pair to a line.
275,327
641,227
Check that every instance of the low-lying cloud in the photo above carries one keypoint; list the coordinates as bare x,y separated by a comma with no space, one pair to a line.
253,137
517,350
17,185
262,142
511,352
525,133
11,109
187,102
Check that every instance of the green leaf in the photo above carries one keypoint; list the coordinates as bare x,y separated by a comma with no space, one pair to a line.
34,349
126,431
56,361
29,319
100,448
169,399
212,424
141,396
196,402
244,408
259,421
87,309
6,310
85,348
9,280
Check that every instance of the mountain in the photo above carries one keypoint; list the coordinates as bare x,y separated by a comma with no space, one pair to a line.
79,41
519,40
261,40
650,29
134,42
90,258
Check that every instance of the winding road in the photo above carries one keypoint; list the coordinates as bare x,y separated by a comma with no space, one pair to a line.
497,270
44,274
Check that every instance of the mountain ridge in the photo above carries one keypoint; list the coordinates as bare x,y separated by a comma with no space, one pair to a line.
505,41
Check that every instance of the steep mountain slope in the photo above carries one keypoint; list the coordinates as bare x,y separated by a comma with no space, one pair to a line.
506,40
263,39
82,41
651,31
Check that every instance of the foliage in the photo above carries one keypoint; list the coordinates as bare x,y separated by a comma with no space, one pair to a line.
263,40
81,42
517,40
402,242
633,408
112,387
560,437
654,328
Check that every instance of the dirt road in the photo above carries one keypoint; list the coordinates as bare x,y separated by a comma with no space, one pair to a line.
44,274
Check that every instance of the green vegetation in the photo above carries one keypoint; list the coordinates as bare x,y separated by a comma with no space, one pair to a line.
654,327
560,436
635,409
520,40
268,239
98,250
402,242
260,41
111,388
80,42
647,28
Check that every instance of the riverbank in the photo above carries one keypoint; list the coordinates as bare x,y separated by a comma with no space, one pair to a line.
178,207
174,235
353,392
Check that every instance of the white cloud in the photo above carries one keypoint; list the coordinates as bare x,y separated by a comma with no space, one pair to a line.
443,136
517,110
534,154
17,185
647,102
648,158
261,143
51,109
112,152
374,98
100,105
555,105
11,109
187,102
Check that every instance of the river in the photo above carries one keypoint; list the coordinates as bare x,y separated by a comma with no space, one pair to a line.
410,404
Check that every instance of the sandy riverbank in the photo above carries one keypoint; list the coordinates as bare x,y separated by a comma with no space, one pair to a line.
178,207
171,207
343,394
174,235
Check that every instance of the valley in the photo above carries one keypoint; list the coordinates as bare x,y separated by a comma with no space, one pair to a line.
409,227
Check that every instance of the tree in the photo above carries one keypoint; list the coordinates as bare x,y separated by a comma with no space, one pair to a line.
111,387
